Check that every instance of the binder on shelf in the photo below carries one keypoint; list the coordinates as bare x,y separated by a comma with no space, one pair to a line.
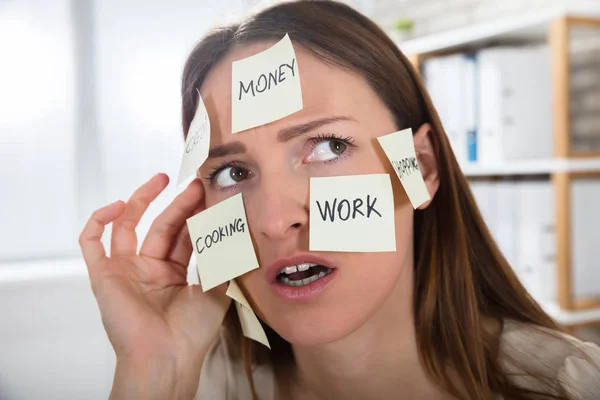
585,249
515,105
505,229
485,196
471,105
515,136
520,217
536,249
451,82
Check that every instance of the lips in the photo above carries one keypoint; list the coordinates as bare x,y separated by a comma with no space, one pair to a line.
273,269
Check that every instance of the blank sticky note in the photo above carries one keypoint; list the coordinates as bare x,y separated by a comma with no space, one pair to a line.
222,243
251,326
265,87
352,213
400,150
197,143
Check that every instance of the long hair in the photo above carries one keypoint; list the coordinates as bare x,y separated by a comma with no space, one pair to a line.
460,276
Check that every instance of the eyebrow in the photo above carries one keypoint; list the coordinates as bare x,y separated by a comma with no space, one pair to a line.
227,149
287,134
284,135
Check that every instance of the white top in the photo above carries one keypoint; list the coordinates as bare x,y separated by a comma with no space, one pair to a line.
574,366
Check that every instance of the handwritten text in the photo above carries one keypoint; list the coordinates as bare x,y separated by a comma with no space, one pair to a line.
347,209
267,81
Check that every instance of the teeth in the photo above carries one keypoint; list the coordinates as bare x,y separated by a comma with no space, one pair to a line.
306,266
290,270
297,268
302,282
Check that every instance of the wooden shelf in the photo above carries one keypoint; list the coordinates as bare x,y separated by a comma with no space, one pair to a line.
533,167
532,27
572,318
552,26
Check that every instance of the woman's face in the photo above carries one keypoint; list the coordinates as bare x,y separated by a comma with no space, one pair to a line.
273,173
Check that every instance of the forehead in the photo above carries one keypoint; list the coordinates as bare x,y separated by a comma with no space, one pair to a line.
327,90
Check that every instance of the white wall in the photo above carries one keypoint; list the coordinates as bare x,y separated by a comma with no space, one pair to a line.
112,80
126,85
52,343
438,15
37,132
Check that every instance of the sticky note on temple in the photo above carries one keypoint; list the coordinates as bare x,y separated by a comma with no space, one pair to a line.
265,87
197,143
352,213
399,147
251,326
222,243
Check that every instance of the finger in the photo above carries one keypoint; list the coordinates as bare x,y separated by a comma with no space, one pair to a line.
90,239
124,238
163,233
182,248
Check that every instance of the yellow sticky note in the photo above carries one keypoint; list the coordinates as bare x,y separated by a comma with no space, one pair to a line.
265,87
250,324
222,243
352,213
399,147
197,143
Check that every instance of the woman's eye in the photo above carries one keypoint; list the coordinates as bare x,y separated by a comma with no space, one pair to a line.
231,176
327,150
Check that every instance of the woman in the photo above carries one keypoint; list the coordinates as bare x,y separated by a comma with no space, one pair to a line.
442,317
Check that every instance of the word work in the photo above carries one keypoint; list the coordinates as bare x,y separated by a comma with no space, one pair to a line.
352,213
347,209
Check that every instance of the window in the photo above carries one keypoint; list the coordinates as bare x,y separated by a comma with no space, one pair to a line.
92,110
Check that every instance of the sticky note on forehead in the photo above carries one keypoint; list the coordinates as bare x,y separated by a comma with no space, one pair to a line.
399,148
251,326
352,213
265,87
197,143
222,242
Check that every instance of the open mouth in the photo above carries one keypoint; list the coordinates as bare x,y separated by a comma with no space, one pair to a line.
302,274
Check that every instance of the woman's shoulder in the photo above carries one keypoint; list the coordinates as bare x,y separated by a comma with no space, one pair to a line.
223,376
568,365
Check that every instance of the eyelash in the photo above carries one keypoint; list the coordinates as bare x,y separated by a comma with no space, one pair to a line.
348,141
212,175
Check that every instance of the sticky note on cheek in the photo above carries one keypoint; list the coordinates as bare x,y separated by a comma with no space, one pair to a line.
265,87
250,324
352,213
197,143
222,243
399,148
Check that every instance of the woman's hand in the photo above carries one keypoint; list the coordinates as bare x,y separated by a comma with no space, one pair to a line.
159,327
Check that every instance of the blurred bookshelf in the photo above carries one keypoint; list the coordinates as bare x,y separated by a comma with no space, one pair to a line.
519,98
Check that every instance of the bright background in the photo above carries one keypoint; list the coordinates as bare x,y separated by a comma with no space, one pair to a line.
90,109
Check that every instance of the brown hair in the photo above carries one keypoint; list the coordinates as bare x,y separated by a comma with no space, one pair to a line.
460,276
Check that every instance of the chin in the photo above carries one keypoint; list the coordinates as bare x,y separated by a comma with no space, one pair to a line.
342,303
317,326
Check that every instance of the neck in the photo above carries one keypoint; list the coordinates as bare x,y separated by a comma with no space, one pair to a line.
376,361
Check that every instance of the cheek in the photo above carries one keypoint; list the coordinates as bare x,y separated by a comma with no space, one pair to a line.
404,216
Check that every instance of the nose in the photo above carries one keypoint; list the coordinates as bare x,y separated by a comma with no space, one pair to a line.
279,209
